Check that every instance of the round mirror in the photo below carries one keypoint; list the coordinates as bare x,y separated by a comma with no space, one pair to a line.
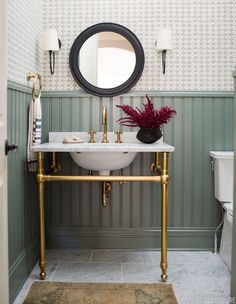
106,59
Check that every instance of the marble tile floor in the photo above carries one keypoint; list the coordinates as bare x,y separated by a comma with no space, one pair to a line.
199,277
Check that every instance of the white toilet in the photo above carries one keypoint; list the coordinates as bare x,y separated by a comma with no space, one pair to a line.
223,180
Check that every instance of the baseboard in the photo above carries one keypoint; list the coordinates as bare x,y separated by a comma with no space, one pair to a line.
146,238
22,267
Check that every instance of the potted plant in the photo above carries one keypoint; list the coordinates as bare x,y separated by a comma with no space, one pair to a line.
148,119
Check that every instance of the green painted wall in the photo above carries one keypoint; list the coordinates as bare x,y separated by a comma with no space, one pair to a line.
23,221
75,217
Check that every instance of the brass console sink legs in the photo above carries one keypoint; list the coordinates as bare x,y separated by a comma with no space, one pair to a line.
164,199
40,180
160,167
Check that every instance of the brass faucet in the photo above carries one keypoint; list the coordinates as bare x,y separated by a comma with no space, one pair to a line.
104,125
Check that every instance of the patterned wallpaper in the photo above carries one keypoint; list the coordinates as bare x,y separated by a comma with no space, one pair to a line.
204,53
203,57
24,38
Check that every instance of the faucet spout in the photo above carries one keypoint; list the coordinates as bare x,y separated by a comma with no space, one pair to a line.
104,125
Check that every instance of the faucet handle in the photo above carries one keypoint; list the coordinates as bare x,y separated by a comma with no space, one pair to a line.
118,137
91,137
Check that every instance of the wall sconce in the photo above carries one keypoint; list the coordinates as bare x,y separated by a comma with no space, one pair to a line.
163,43
52,44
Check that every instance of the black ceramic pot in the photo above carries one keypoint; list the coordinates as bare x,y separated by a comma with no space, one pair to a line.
148,135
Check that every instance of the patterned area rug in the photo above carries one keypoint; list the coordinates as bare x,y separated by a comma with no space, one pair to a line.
83,293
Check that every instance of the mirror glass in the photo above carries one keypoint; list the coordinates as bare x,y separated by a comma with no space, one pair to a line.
106,59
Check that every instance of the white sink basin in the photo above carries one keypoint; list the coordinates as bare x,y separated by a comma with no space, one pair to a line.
104,162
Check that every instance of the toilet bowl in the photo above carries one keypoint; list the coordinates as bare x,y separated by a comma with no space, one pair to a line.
226,237
223,190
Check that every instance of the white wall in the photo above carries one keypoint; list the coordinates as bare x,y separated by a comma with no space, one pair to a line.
203,32
24,38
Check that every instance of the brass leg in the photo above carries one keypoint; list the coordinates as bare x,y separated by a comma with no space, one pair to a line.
40,180
164,202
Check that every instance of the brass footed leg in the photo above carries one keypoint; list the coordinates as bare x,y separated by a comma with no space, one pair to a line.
42,273
164,201
40,180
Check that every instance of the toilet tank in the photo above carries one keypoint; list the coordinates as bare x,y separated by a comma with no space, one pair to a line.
223,175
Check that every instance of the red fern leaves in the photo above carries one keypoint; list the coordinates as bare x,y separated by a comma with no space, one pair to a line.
133,116
148,117
164,114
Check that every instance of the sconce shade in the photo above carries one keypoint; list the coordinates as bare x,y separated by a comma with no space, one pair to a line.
50,41
164,39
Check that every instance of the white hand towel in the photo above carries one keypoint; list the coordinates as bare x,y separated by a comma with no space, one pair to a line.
34,132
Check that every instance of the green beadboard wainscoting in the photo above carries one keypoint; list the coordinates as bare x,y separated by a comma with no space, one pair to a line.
22,204
75,216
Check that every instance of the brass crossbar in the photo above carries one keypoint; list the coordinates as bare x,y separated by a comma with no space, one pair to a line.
97,178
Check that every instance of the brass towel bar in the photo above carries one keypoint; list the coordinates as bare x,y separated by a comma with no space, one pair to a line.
34,77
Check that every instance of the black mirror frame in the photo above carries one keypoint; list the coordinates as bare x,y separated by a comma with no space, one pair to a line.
109,27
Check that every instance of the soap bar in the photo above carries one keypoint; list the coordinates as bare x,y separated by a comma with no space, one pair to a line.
72,140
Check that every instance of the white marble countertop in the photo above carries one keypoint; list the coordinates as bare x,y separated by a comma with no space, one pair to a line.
130,144
99,147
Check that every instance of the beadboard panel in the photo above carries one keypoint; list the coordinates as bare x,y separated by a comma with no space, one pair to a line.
22,204
203,123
